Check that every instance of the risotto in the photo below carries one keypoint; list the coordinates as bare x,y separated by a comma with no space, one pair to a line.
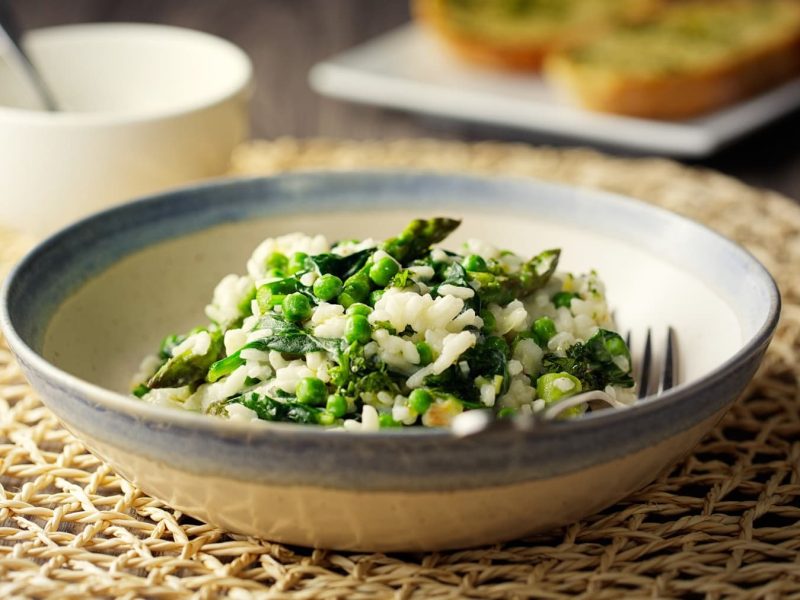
364,335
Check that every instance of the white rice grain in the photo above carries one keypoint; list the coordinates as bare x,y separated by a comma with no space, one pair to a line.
454,345
197,344
229,294
564,384
237,412
487,394
512,317
253,354
288,377
369,419
465,293
529,355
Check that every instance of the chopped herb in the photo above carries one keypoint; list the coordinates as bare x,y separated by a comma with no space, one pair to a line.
603,360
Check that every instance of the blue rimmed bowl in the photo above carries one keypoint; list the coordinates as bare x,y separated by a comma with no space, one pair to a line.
82,308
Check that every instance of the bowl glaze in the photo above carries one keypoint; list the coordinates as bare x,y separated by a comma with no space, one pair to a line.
83,307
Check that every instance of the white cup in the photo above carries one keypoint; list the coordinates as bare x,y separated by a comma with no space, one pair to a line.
145,107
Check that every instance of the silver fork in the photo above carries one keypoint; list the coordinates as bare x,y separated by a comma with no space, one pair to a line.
668,375
476,421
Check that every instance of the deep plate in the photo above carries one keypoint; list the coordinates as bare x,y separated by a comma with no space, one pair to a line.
96,297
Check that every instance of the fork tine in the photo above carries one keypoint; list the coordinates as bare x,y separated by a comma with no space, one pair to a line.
669,373
644,368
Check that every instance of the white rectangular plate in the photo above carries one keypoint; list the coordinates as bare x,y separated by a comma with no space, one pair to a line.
407,69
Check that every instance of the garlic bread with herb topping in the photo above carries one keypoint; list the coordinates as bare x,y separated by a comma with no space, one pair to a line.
695,57
518,34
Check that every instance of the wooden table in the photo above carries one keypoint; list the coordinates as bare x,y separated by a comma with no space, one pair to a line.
286,37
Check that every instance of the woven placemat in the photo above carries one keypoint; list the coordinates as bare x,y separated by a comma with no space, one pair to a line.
725,522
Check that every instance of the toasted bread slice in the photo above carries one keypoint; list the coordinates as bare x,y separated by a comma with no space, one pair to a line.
697,56
518,34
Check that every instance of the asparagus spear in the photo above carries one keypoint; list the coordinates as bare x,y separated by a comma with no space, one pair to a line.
534,274
188,368
418,237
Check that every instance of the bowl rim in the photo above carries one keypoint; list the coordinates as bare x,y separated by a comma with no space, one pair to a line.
119,402
25,116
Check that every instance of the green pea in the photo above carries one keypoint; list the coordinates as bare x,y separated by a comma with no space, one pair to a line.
425,353
548,391
543,329
387,420
311,390
354,291
359,309
489,322
325,418
357,329
296,307
276,260
297,262
420,400
383,271
485,280
506,412
327,287
563,299
337,405
475,263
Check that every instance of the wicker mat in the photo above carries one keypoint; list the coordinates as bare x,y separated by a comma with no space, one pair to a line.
725,522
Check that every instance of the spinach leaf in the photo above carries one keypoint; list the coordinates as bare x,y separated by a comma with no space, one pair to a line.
341,266
269,409
594,363
455,274
485,360
453,382
286,337
292,339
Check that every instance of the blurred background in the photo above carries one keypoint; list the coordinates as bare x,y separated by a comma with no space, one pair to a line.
285,38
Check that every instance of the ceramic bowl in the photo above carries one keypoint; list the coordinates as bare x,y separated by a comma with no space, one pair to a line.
82,309
144,107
